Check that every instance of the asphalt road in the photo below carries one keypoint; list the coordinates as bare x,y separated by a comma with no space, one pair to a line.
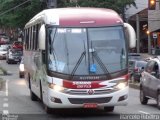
15,101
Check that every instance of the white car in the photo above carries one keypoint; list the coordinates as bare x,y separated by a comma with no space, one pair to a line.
3,51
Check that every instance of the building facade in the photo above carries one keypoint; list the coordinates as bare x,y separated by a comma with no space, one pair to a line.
154,28
138,18
144,20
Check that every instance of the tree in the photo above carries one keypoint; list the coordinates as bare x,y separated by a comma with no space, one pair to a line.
18,16
118,5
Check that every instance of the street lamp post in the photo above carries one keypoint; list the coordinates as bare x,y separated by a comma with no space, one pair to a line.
149,43
138,32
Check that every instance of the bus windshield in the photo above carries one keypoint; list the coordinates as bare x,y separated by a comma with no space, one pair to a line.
86,51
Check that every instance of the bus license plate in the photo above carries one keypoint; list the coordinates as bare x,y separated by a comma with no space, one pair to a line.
90,105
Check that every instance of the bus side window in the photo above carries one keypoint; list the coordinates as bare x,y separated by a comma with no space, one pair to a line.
27,39
36,37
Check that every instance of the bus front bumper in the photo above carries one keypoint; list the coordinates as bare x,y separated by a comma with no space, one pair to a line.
63,100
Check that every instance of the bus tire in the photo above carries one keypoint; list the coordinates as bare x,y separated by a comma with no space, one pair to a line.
109,109
20,76
33,96
8,62
47,109
29,81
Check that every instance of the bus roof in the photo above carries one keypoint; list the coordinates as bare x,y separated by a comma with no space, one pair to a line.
77,17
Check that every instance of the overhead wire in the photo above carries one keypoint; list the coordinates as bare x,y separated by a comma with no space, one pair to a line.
14,7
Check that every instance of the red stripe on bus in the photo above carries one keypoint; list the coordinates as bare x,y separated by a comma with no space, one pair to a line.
82,84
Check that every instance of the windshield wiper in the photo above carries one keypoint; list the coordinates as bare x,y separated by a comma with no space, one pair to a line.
78,63
99,61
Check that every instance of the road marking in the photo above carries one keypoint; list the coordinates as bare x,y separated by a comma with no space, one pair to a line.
5,105
6,87
5,112
5,99
144,112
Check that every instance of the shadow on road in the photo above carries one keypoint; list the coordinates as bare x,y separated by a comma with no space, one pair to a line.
2,84
70,114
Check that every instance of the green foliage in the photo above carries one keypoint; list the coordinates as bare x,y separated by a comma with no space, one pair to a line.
61,3
117,5
18,16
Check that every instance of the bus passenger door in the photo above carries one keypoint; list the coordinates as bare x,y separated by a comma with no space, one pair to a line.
37,71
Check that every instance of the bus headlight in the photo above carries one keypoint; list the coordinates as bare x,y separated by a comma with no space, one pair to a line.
56,87
121,85
21,67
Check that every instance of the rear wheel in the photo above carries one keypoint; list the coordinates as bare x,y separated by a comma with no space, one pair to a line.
143,98
8,62
20,76
41,94
33,96
158,100
109,109
47,109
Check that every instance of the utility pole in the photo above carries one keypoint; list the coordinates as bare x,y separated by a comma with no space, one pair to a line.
138,32
149,44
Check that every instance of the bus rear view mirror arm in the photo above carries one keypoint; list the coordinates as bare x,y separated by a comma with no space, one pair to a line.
42,37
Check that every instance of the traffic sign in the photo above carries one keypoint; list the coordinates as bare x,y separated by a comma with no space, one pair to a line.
154,35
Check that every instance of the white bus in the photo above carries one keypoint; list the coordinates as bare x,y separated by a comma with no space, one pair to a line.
77,58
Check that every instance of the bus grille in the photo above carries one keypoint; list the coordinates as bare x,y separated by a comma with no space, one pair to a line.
85,91
89,100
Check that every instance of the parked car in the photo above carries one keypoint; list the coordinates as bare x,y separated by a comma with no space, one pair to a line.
17,45
3,50
150,82
134,56
14,55
4,39
148,59
21,68
136,67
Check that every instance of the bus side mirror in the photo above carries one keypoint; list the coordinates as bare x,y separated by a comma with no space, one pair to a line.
131,35
42,37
